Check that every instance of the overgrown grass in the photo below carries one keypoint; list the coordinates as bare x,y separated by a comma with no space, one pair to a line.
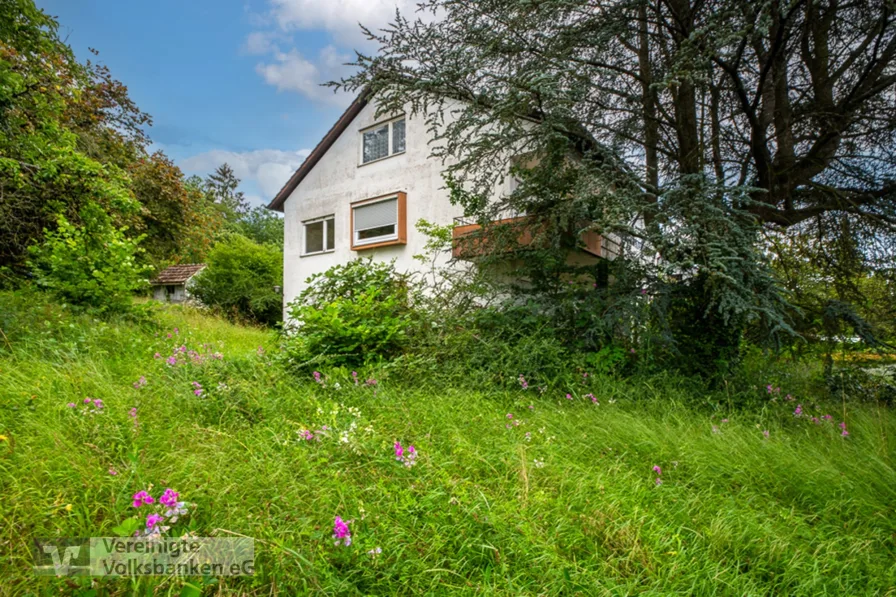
563,503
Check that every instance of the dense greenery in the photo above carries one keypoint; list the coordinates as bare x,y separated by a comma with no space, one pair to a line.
242,280
719,141
72,145
564,502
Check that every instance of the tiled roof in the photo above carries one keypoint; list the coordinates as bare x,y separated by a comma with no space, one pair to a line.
177,274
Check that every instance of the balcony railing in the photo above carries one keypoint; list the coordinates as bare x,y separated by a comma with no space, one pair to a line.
470,240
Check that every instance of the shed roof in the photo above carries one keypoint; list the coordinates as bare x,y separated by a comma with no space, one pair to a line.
177,274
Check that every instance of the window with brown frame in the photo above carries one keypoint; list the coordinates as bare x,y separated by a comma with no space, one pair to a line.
379,222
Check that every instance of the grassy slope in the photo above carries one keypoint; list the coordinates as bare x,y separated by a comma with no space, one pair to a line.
803,512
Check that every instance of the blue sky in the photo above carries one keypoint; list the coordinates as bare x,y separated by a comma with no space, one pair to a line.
227,80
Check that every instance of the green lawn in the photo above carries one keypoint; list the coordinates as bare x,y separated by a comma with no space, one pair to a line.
563,503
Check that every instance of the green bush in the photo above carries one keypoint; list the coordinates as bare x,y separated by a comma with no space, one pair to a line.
242,280
91,265
351,314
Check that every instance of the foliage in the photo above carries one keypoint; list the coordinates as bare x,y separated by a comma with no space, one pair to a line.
242,280
261,225
352,314
681,129
565,502
222,185
94,265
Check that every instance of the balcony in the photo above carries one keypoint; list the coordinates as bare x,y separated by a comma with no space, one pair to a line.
470,240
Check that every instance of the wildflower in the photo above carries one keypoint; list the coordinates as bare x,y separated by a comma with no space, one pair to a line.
523,383
355,377
843,430
317,376
411,458
816,420
141,497
826,417
112,471
68,507
569,396
765,434
593,399
341,532
169,498
657,470
197,388
176,331
260,351
399,451
799,410
632,350
375,552
531,407
724,420
157,356
71,405
305,434
371,382
87,401
538,463
140,383
715,429
3,438
172,360
98,403
658,481
528,436
152,520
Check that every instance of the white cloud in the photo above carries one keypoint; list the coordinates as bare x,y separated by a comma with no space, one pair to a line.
268,168
291,71
341,19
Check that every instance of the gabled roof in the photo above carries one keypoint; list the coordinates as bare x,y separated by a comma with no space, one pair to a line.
318,152
177,274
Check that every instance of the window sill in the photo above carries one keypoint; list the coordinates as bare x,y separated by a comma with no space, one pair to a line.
317,253
382,159
377,245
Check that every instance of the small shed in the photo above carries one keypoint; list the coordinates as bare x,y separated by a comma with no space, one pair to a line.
172,283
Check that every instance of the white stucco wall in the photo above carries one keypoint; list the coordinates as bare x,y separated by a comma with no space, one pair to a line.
338,180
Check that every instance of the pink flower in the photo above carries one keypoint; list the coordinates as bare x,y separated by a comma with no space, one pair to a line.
842,426
71,405
87,401
172,360
152,520
157,356
141,497
509,415
317,376
112,471
659,481
799,410
523,383
569,396
169,498
341,532
98,403
657,470
765,433
399,451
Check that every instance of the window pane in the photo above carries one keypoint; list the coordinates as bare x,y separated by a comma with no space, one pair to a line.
376,232
375,215
331,233
376,144
314,237
398,136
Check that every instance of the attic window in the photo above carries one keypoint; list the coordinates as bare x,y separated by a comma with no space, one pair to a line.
383,140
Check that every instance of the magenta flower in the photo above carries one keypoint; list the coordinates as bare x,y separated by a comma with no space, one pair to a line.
71,405
799,410
657,470
112,471
141,497
569,396
842,426
87,401
355,377
523,383
157,356
827,417
169,498
172,360
509,415
98,403
317,376
140,383
399,451
341,532
152,520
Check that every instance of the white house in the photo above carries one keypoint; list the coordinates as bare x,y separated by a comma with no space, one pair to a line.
360,192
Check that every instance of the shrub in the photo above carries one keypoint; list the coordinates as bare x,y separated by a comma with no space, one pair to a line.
93,265
242,280
351,314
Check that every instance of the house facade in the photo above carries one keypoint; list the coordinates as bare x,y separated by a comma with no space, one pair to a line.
360,192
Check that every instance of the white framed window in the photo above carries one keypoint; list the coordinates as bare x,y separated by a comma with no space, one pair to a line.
375,221
383,140
318,235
